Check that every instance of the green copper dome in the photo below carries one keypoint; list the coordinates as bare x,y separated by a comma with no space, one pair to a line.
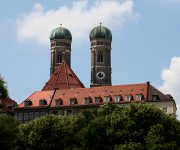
60,33
100,32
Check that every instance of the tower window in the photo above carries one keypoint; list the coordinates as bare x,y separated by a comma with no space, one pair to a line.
100,57
59,58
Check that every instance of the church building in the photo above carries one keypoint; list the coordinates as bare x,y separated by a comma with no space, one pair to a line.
65,94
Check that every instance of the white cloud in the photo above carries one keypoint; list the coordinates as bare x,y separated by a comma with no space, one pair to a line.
171,81
80,18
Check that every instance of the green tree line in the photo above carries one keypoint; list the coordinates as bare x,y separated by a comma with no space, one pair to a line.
135,127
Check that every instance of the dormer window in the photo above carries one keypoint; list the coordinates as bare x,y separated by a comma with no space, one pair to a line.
87,100
27,103
42,102
139,97
128,97
155,97
58,102
97,99
117,98
73,101
107,99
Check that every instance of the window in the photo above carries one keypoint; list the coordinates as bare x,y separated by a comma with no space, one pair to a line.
19,116
37,114
139,97
27,103
97,99
73,101
58,44
52,44
100,57
165,109
42,102
87,100
128,97
69,112
117,98
107,99
58,102
59,58
155,97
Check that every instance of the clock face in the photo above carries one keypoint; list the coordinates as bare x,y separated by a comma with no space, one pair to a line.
100,75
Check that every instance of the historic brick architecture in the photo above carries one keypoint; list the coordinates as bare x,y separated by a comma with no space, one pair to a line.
7,106
64,94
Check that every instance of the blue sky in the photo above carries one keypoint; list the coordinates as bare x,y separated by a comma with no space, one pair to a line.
145,47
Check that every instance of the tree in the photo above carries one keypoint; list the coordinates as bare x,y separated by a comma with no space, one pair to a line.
8,132
3,89
136,126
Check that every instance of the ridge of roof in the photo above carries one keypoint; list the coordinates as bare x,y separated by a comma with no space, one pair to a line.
63,78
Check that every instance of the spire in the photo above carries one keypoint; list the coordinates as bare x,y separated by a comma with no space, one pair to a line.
63,78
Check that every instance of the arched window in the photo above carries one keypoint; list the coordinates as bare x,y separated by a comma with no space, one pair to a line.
59,58
100,57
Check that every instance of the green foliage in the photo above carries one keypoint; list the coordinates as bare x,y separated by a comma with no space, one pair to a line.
129,146
8,132
3,89
137,126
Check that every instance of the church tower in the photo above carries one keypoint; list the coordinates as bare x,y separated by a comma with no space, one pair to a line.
60,39
100,39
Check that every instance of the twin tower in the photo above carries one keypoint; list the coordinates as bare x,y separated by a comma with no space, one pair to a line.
100,40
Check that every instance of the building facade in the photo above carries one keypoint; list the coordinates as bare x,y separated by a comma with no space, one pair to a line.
64,93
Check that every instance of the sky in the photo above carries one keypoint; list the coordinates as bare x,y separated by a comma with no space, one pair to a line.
145,44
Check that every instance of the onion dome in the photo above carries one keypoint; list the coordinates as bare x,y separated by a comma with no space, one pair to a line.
100,32
60,33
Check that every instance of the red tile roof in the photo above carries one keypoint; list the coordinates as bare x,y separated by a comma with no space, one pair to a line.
36,96
81,93
63,78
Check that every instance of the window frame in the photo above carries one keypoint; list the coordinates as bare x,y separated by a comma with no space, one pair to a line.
87,100
107,99
42,102
97,99
139,97
73,101
58,102
27,103
119,98
128,97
